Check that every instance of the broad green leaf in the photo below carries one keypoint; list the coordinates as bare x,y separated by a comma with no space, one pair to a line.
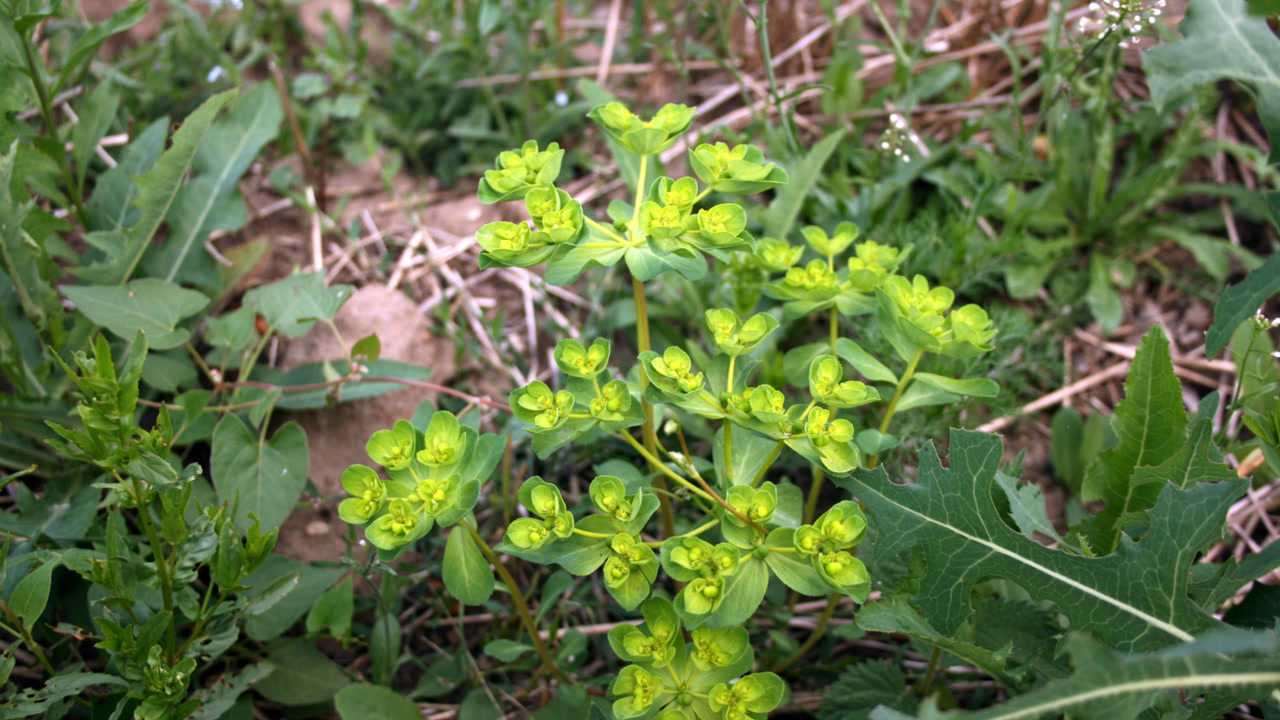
303,675
506,650
1109,685
262,479
209,200
217,699
796,572
864,686
966,387
291,305
1151,424
21,258
111,207
1220,41
149,306
921,394
864,362
312,583
466,572
96,115
1197,460
31,594
1103,300
781,215
895,616
751,456
362,702
157,191
743,592
1134,599
1239,302
333,610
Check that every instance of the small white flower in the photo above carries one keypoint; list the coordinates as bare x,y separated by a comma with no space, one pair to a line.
898,138
562,98
216,73
1126,19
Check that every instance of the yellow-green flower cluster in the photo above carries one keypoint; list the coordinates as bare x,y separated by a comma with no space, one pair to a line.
552,519
828,542
705,567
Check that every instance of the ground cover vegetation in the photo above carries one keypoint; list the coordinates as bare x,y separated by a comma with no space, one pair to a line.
702,361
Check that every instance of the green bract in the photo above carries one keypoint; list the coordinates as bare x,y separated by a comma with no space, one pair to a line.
517,172
609,495
643,137
735,337
553,521
393,449
630,570
753,696
774,255
367,495
756,504
871,264
443,443
971,332
827,543
827,386
682,193
556,215
582,362
672,371
918,312
835,244
722,226
538,406
399,526
512,244
740,169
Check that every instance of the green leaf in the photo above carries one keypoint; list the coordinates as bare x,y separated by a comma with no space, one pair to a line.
781,215
628,162
864,362
1220,41
21,257
923,394
864,686
1239,302
1110,685
506,650
86,46
291,305
312,583
796,572
96,116
1151,424
209,200
1026,506
156,193
1103,300
148,306
259,477
743,592
1134,599
362,702
333,610
31,594
216,700
303,675
895,616
751,453
966,387
466,572
111,207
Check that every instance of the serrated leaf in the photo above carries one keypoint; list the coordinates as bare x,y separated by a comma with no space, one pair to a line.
209,200
1150,424
1135,598
149,306
259,478
293,304
1238,302
1027,507
1107,685
894,615
157,191
864,686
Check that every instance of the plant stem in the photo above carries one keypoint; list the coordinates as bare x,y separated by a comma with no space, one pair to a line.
517,599
818,631
834,323
768,462
815,491
162,567
892,407
728,429
708,494
643,344
926,686
51,127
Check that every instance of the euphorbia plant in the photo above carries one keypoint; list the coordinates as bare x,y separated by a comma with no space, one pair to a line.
728,528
